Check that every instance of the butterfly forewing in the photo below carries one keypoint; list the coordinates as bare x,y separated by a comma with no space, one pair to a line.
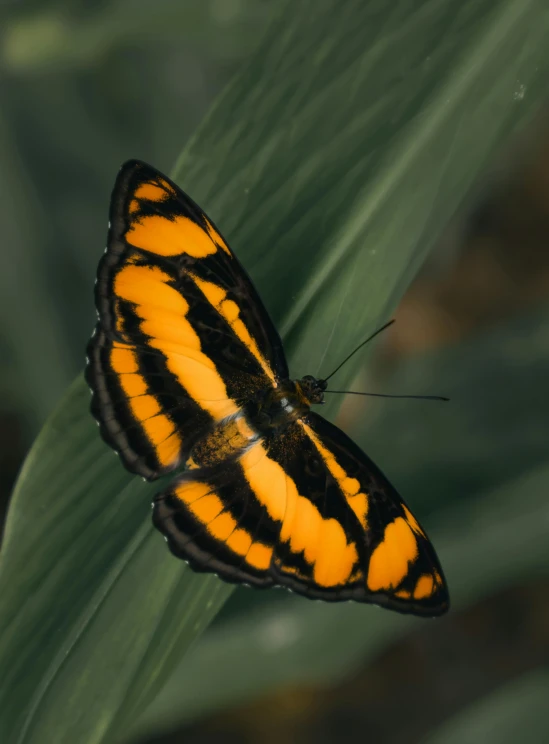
183,338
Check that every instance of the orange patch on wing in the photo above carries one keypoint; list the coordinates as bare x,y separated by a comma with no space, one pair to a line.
171,330
119,320
215,236
202,383
123,359
149,286
191,491
170,237
267,480
145,407
239,542
151,192
424,587
212,292
335,559
322,541
222,526
301,524
208,508
168,450
293,571
357,500
390,560
403,594
158,428
203,503
133,385
259,556
229,310
163,311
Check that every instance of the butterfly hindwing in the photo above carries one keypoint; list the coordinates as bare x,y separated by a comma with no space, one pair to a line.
217,519
306,510
141,409
398,566
182,337
270,516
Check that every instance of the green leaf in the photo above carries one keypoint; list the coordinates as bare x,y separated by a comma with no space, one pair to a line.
25,267
494,428
331,164
517,712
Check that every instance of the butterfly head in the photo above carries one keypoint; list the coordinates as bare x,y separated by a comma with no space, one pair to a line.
312,389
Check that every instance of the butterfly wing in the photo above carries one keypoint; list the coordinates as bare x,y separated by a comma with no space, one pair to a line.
183,337
307,510
224,520
383,555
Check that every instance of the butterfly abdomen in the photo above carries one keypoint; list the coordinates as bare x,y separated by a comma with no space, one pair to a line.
228,441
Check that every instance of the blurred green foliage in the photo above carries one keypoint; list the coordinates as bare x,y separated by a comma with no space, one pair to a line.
518,712
332,162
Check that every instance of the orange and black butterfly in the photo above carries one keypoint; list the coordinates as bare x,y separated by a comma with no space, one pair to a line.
187,369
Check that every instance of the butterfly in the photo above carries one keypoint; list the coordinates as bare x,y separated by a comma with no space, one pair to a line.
187,370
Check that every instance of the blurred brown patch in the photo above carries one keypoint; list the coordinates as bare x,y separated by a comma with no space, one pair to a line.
502,267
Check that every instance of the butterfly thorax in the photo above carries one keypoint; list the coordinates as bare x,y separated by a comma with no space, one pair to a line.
268,413
272,410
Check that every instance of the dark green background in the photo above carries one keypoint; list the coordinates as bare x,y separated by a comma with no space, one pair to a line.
351,152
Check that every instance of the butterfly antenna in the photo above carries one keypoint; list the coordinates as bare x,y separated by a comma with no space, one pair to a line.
384,395
355,351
